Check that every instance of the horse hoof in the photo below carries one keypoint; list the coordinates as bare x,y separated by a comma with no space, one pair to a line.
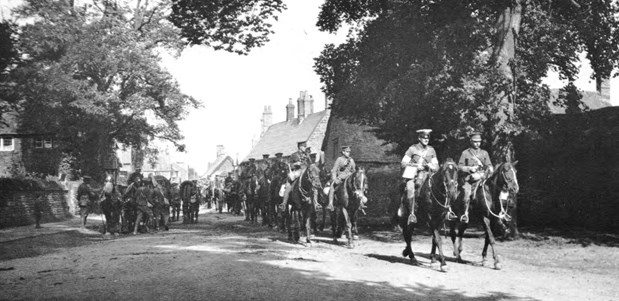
355,237
414,261
444,268
497,265
432,259
406,252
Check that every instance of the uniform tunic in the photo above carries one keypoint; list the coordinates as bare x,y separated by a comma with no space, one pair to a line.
420,154
342,169
299,159
472,158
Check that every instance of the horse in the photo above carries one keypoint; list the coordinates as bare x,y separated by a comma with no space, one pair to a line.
303,196
190,194
161,209
436,195
234,198
263,198
347,201
249,191
175,202
279,176
489,204
111,206
218,198
323,200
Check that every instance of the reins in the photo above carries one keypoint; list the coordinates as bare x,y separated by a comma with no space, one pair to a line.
503,214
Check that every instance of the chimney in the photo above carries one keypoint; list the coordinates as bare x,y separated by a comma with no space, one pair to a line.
289,110
311,104
267,119
220,151
301,105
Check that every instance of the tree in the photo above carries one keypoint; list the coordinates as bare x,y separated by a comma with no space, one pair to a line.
92,77
458,66
8,57
232,25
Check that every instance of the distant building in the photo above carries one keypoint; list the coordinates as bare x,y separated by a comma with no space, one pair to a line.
282,137
219,169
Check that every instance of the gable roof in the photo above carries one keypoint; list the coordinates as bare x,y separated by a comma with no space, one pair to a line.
216,165
366,147
282,137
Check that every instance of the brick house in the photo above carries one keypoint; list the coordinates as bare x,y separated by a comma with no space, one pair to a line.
29,152
282,137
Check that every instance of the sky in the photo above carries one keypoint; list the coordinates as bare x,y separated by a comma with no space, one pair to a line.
234,89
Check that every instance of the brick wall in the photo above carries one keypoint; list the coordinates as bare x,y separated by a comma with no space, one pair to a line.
17,207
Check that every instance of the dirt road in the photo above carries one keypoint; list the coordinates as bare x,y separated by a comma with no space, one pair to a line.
225,258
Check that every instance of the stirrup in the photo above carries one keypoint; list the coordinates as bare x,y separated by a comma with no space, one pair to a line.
465,218
451,215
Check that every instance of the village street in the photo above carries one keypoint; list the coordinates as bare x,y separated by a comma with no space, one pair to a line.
224,257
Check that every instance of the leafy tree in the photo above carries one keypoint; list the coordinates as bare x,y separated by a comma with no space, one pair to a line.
92,77
8,57
231,25
458,66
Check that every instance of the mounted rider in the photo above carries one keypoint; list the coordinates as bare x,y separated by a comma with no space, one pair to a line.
300,161
145,200
475,166
418,161
343,168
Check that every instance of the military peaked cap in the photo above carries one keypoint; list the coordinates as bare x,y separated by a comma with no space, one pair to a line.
346,148
424,133
301,143
265,156
279,155
476,136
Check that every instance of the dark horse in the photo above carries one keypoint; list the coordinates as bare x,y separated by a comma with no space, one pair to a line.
347,201
436,195
111,206
263,196
190,194
302,198
490,204
175,202
279,176
250,195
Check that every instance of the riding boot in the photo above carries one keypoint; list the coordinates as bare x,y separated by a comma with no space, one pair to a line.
412,219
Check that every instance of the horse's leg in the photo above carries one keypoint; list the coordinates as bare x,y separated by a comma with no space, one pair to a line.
334,219
437,242
484,251
348,228
491,240
307,214
407,233
458,251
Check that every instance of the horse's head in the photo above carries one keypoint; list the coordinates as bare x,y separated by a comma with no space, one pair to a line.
507,177
313,175
449,173
360,184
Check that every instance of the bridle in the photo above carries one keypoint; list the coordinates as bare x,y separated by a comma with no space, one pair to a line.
447,204
505,189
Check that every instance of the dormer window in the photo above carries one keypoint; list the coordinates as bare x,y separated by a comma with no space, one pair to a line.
7,144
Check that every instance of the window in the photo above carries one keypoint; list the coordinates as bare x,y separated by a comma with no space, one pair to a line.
7,144
43,142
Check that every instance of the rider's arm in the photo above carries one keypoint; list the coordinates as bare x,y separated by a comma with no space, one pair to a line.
406,160
462,164
336,167
433,164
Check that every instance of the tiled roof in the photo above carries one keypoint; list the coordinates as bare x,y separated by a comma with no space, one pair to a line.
216,165
283,137
365,146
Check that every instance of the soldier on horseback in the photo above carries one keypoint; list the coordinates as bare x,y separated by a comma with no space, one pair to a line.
300,161
343,167
418,161
475,165
144,199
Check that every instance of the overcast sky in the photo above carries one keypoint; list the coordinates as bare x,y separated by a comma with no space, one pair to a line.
234,89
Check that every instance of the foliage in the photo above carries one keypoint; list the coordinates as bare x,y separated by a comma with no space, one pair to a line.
232,25
8,57
92,77
458,66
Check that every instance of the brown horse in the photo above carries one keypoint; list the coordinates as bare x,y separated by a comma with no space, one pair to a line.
279,176
302,198
190,194
436,195
490,204
347,202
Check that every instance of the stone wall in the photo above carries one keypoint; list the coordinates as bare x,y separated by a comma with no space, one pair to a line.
17,208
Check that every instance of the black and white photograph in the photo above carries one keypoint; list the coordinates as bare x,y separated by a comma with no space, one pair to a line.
309,150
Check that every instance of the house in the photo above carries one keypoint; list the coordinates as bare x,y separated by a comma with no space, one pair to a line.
22,152
219,169
282,137
382,165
